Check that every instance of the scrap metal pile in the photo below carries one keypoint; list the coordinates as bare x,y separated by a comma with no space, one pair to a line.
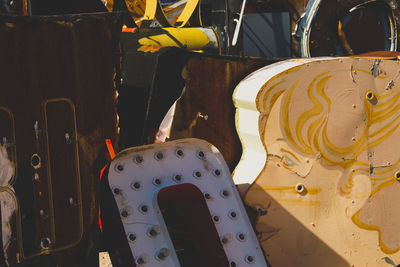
199,133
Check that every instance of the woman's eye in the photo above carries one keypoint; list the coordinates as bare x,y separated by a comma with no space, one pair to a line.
287,161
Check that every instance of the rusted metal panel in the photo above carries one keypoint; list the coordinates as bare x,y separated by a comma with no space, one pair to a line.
57,106
206,110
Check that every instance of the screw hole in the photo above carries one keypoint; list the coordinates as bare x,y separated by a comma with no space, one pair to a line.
159,156
153,232
232,214
300,188
124,213
138,159
136,185
179,153
140,261
207,196
200,154
157,181
132,237
233,264
178,177
216,218
117,191
217,172
241,237
120,167
36,161
225,193
197,174
250,259
144,208
397,175
162,254
45,243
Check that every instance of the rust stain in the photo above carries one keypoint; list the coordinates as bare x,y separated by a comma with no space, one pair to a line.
290,189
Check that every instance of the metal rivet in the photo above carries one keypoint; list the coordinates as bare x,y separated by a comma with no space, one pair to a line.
197,174
41,212
178,178
369,95
141,260
159,156
119,167
117,191
397,176
71,201
68,139
135,185
217,172
154,231
226,239
249,259
232,215
138,159
216,218
144,208
36,177
300,188
225,193
131,237
36,161
157,181
179,153
162,254
124,213
207,196
45,243
241,237
200,154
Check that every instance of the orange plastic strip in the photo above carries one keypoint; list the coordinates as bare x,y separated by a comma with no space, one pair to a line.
110,149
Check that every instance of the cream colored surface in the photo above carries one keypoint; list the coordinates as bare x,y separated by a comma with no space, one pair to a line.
253,157
328,194
104,260
6,167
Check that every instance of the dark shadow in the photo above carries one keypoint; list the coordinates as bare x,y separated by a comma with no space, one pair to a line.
323,255
190,226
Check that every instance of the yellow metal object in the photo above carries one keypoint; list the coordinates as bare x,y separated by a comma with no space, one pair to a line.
192,10
151,7
149,10
188,38
136,7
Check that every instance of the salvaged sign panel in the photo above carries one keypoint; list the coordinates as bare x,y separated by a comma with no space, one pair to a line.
57,106
179,207
205,109
327,193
